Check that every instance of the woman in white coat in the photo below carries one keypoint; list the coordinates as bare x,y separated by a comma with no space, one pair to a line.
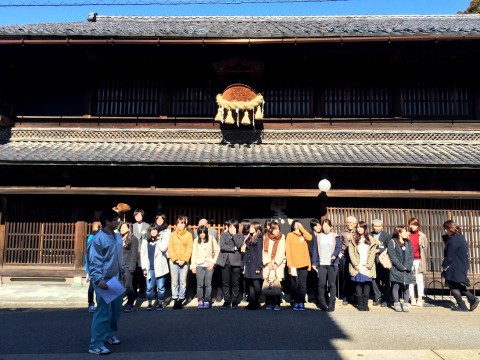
154,258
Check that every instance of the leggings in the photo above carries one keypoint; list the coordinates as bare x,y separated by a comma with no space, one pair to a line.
395,292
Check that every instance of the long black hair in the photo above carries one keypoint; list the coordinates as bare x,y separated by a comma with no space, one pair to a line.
202,229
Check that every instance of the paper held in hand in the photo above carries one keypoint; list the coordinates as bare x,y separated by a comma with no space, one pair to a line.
115,289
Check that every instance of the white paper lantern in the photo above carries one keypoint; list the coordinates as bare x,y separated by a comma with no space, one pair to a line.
324,185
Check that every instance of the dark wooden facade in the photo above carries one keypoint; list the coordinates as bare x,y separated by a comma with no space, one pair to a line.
71,83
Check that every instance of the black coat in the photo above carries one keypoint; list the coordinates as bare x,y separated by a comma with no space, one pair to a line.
253,259
455,259
398,273
230,249
130,256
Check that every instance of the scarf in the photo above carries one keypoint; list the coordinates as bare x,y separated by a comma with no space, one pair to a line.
180,233
162,227
276,241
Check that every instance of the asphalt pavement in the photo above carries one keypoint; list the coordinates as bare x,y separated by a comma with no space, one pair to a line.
52,322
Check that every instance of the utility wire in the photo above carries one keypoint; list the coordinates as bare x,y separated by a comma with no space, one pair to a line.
66,3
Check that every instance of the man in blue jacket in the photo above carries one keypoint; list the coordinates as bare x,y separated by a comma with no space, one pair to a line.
105,261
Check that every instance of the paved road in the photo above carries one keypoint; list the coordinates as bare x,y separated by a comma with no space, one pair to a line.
430,333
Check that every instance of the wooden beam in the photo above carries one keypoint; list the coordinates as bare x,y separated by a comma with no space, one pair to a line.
238,192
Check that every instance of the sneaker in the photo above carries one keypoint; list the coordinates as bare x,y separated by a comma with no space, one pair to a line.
200,304
406,307
112,340
206,305
102,350
160,306
149,307
269,307
301,307
420,302
413,301
226,305
384,304
296,307
128,308
91,308
345,302
276,308
377,302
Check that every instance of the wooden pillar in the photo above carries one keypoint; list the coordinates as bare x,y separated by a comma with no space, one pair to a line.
3,209
79,245
2,243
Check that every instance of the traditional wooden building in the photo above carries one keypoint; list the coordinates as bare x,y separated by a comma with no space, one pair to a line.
122,109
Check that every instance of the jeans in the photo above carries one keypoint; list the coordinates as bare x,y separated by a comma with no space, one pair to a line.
179,280
204,277
327,272
396,295
105,319
299,285
231,276
129,286
418,280
160,282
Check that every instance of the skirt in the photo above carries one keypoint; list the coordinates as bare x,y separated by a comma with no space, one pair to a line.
361,278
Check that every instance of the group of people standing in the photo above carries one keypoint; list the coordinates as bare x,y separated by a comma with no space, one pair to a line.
260,252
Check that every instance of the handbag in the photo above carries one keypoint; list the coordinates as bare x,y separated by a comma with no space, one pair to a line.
271,285
384,260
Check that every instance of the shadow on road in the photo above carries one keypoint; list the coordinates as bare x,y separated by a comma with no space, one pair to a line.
190,329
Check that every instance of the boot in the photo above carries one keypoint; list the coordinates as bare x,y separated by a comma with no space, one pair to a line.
331,304
365,303
474,304
460,307
322,304
360,305
397,307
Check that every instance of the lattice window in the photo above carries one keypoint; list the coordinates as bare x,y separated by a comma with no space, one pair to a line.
194,100
428,100
122,97
287,102
39,243
351,100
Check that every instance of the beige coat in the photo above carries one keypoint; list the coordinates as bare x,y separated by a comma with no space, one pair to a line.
424,244
205,252
280,258
355,259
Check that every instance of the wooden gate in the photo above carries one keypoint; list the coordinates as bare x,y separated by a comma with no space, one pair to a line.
431,224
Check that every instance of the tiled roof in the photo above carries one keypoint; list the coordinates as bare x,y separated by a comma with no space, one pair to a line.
241,147
252,27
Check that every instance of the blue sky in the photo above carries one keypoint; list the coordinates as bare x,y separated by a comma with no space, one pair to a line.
33,15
